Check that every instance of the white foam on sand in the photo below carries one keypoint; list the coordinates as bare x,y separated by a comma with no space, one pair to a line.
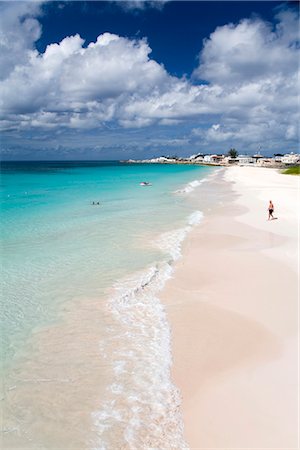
192,185
189,187
142,409
171,241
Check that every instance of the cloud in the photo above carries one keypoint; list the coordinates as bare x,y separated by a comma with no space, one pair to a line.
250,51
140,5
256,66
70,80
19,30
250,92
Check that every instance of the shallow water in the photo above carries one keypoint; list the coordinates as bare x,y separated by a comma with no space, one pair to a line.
86,345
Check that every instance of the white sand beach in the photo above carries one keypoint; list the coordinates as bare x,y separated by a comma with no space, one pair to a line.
233,308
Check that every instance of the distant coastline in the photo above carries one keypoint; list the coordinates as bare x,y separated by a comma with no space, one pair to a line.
277,161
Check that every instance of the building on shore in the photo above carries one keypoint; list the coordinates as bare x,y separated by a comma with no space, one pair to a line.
291,158
245,160
257,160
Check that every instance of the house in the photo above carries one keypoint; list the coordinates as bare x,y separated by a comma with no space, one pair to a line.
278,158
229,160
245,160
217,159
196,158
207,158
265,162
199,158
291,158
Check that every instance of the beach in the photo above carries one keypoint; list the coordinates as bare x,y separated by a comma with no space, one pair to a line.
148,303
233,309
170,323
85,343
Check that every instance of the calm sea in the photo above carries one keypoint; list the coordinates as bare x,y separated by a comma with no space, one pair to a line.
85,342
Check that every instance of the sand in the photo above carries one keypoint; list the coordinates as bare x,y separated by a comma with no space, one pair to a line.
233,309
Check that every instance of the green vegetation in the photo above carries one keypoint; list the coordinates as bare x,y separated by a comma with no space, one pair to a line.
232,153
295,170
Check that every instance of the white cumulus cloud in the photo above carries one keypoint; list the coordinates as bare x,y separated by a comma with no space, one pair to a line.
19,30
250,91
251,50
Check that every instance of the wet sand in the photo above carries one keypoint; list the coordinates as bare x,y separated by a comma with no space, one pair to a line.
233,308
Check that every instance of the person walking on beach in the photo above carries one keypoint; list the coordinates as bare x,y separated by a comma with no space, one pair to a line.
271,210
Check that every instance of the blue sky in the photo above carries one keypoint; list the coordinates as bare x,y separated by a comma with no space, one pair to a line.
118,80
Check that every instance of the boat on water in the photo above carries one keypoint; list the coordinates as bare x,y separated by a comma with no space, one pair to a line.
145,183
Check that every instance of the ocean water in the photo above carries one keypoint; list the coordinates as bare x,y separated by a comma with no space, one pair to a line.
85,341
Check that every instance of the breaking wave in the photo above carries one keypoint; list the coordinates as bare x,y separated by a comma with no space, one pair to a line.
190,186
142,408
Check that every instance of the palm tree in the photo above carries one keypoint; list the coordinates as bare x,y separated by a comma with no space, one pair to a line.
232,153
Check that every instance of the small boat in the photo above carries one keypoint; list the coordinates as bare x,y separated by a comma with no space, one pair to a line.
145,183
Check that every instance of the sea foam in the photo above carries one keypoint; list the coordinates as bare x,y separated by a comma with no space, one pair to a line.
170,242
142,409
190,186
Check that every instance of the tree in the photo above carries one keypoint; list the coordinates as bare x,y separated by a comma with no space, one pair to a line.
232,153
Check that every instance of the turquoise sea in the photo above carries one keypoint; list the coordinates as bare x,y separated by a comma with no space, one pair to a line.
61,253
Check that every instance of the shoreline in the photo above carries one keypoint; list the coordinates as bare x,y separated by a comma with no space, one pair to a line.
62,375
234,340
120,384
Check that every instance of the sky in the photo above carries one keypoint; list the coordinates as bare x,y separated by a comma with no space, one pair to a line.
135,79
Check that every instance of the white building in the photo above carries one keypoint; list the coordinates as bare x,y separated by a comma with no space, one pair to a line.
245,160
209,158
291,158
278,158
198,157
